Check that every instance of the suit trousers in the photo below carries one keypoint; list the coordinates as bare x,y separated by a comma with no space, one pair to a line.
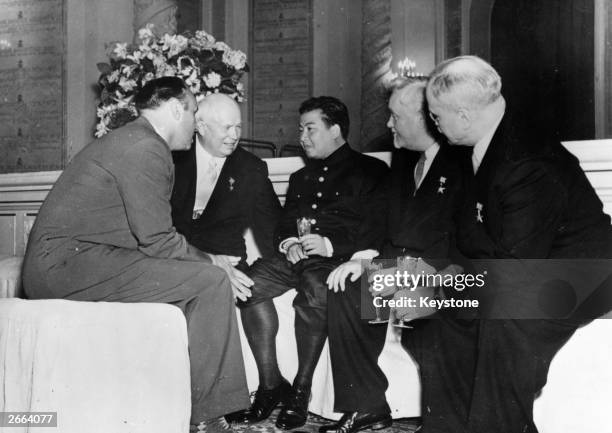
355,345
202,291
483,375
275,275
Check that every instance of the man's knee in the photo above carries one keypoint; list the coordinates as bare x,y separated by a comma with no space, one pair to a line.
213,282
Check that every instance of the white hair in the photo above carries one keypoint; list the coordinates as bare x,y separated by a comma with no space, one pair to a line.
467,81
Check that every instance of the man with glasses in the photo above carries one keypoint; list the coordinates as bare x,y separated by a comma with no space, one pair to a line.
529,200
424,195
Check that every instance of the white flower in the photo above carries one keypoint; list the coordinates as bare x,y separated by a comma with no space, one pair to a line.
146,32
174,44
234,58
135,56
113,76
212,80
120,50
206,39
101,129
240,87
221,46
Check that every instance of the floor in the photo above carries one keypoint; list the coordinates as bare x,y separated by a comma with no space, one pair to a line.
404,425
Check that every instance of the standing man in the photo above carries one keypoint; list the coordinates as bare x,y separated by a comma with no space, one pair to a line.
220,189
339,192
104,233
425,193
530,200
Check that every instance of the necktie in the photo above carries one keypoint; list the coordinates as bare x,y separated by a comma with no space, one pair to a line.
204,188
418,171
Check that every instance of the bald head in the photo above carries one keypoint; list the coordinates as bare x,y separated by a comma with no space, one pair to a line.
219,124
465,81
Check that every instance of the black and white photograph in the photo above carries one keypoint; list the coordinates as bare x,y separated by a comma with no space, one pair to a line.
307,216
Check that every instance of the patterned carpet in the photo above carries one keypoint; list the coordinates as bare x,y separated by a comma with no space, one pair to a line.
404,425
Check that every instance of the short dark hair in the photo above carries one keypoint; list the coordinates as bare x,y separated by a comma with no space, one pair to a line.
334,112
160,90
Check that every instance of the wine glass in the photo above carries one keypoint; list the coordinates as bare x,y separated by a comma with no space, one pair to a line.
406,264
370,269
303,226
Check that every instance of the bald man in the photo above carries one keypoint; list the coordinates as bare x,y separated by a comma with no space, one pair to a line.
220,189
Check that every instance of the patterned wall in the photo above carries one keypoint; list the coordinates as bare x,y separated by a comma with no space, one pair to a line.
376,63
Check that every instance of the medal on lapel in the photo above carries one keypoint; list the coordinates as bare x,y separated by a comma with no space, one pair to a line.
441,187
479,208
231,182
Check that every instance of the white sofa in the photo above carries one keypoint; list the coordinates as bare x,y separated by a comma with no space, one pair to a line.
123,367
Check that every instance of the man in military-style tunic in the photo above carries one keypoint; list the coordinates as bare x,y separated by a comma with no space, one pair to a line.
339,191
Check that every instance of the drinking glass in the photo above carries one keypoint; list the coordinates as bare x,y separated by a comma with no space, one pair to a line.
406,264
303,226
370,269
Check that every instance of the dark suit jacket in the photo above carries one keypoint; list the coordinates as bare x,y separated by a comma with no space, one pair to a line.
535,203
344,196
243,197
424,224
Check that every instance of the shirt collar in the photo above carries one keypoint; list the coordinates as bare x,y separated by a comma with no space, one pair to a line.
483,144
203,156
432,151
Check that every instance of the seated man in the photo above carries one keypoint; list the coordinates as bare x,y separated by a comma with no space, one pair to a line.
104,233
425,192
339,192
220,189
529,200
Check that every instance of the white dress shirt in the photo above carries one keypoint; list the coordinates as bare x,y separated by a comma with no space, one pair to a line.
206,179
483,144
430,155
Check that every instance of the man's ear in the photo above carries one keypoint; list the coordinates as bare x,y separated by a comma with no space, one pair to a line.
465,117
200,126
176,109
335,130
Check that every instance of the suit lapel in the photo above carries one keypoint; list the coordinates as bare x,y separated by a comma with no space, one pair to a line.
222,187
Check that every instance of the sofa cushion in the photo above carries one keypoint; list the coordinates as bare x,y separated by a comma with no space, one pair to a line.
103,367
10,276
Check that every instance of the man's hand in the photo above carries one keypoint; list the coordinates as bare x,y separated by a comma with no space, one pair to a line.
314,245
295,253
337,278
416,311
240,282
387,290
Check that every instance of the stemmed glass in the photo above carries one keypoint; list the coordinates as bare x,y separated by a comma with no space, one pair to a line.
406,264
370,269
303,226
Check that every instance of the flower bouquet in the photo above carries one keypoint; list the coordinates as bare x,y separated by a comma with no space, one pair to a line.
206,65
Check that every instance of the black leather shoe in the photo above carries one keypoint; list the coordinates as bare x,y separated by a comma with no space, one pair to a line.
355,421
295,411
264,403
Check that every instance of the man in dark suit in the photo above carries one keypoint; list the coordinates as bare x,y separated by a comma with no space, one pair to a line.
529,200
220,189
104,233
339,193
424,195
